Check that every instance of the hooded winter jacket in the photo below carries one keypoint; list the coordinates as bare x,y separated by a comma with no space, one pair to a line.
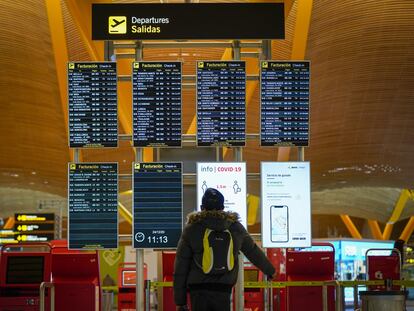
187,266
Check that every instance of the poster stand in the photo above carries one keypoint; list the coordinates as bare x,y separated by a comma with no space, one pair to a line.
238,157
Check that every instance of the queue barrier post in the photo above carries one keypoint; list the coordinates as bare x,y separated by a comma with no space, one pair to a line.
107,299
266,295
147,295
42,293
278,299
325,298
356,304
338,297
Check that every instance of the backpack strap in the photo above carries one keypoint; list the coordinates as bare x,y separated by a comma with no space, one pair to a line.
207,263
230,255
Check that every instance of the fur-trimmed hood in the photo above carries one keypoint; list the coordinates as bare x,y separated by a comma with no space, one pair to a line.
216,220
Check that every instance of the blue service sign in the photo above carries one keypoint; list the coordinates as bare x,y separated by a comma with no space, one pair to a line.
188,21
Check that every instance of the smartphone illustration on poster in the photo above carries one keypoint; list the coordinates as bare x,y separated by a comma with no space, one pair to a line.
279,226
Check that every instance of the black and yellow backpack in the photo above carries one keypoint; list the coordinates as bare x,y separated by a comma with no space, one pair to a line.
218,257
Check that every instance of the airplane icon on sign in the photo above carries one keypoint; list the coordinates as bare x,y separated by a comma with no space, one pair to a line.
117,25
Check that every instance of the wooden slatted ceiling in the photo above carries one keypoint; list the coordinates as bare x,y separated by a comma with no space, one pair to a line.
362,109
31,120
76,49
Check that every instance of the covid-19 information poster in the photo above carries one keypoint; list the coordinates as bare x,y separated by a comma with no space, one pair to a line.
286,204
230,179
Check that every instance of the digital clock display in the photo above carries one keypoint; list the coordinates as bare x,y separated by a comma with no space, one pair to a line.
157,205
158,239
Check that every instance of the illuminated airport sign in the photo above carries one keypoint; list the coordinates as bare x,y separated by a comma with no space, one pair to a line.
284,93
34,227
40,237
230,179
188,21
156,104
93,205
157,204
8,236
93,112
286,204
34,217
221,106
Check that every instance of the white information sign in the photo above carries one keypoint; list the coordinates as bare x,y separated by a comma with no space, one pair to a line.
230,179
286,204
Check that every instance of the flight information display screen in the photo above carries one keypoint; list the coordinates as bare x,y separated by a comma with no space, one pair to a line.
284,90
157,205
221,104
157,104
93,205
93,112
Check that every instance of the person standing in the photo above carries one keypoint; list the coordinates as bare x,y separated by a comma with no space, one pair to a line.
206,262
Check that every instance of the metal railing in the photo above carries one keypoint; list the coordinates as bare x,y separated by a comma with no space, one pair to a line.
42,294
338,285
186,44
